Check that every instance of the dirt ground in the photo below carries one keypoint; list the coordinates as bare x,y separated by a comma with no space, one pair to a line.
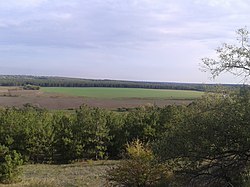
16,97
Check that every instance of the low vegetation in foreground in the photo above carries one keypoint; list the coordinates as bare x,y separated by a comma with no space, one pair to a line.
80,174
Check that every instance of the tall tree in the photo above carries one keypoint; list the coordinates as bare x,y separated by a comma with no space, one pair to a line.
233,58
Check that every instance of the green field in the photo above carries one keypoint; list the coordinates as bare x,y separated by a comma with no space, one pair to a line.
112,93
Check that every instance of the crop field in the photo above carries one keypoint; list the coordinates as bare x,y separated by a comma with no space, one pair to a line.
116,93
109,98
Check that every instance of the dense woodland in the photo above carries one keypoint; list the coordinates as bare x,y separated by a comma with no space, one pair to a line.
203,144
43,81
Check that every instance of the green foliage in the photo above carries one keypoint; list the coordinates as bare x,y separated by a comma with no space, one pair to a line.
210,147
92,133
115,124
9,162
31,87
141,123
149,123
140,169
28,131
64,148
88,133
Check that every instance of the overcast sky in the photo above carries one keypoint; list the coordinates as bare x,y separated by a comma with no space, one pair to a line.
153,40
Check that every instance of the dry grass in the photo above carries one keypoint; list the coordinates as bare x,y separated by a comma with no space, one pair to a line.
88,173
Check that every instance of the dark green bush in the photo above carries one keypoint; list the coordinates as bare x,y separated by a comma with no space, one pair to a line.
9,162
31,87
210,147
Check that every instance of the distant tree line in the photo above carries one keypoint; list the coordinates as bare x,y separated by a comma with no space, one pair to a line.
20,80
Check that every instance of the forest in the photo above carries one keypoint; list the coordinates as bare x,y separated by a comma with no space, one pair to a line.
45,81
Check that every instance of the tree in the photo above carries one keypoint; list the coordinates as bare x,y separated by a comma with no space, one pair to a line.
64,146
231,58
211,146
139,169
91,132
9,162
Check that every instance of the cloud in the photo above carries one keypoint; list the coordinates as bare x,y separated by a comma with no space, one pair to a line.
107,23
227,4
133,34
15,4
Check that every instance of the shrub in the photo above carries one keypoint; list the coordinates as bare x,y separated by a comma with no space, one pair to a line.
140,169
31,87
9,162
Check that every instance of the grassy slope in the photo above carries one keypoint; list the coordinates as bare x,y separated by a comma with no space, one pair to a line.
90,173
109,93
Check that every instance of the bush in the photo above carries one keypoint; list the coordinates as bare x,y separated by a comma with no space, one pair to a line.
31,87
140,169
9,162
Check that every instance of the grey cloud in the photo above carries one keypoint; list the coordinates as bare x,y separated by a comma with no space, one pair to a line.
132,34
107,21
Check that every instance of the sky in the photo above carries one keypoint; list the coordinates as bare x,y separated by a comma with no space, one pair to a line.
149,40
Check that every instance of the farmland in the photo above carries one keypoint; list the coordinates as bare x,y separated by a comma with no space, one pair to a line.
110,98
114,93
